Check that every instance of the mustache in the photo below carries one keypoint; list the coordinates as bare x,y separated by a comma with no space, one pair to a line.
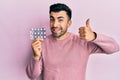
53,28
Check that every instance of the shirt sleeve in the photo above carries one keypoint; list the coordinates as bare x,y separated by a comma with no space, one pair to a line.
34,68
103,44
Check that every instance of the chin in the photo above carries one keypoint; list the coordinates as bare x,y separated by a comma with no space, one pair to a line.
56,35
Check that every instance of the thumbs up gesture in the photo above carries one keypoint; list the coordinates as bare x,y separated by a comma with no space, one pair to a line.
86,32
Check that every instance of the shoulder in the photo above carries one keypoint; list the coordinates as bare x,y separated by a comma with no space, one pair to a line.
74,37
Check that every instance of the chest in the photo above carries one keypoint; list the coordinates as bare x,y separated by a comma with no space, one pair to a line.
65,55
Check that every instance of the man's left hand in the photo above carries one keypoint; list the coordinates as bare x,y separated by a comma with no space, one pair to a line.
86,32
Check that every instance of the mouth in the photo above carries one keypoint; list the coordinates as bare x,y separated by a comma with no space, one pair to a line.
56,30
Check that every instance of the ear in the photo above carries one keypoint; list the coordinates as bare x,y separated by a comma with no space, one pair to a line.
69,23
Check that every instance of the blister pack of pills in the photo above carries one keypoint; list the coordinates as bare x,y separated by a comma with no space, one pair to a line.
37,33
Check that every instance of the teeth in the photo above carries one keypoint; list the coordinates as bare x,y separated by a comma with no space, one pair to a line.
55,30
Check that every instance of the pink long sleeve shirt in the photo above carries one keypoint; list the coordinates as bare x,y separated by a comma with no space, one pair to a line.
67,59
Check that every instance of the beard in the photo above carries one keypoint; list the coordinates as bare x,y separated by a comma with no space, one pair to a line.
57,32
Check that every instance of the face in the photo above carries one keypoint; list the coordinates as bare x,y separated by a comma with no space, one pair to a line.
59,23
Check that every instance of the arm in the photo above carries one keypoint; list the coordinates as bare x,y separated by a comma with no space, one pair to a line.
103,44
97,43
34,68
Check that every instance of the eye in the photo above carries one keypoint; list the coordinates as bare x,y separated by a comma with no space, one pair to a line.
51,19
60,20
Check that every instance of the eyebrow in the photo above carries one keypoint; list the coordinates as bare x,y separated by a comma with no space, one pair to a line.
57,17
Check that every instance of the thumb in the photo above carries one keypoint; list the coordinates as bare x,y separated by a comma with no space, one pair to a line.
88,22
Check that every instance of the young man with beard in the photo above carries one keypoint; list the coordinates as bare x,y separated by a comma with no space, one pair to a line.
64,55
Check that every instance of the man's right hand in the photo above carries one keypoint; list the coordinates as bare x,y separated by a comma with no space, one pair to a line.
37,48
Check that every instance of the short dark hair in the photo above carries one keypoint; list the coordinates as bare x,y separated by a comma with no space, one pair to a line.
61,7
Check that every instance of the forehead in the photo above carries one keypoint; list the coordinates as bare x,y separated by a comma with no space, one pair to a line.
58,14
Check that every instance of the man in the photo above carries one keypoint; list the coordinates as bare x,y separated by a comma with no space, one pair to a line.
64,55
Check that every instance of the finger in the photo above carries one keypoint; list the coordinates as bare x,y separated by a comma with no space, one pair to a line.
36,43
88,23
38,39
82,35
36,47
83,38
81,29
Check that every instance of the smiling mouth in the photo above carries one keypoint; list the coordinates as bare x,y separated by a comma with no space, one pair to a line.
55,30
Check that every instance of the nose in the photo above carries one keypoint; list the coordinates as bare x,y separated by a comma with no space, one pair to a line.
55,24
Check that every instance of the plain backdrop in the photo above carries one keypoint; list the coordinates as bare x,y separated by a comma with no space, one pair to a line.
17,17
